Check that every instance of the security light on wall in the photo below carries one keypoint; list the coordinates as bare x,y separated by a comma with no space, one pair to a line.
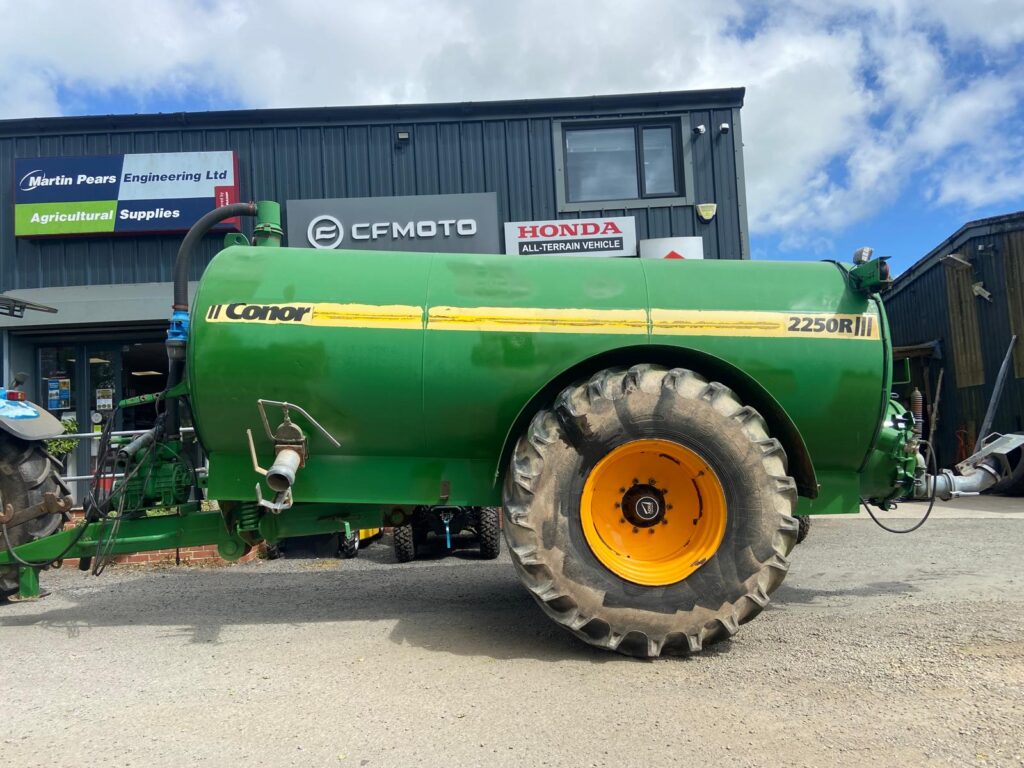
700,130
402,138
724,128
956,261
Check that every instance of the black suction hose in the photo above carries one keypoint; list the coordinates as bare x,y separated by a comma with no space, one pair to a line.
177,334
198,231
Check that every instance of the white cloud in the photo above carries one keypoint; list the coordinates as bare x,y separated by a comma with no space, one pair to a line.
849,102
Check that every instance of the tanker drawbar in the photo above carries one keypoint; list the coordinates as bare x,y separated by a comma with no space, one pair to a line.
651,438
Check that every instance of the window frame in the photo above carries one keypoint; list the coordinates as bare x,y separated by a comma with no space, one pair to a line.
683,169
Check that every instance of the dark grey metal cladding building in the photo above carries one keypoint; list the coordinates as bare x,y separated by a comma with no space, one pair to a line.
956,311
652,157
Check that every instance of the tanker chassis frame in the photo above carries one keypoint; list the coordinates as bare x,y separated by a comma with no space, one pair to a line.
651,486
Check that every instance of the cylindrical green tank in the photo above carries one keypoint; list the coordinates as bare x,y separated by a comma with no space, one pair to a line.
655,432
428,367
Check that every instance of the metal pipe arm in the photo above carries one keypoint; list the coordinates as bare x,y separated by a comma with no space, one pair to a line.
975,474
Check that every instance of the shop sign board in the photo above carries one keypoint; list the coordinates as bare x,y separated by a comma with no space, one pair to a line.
610,236
121,194
427,223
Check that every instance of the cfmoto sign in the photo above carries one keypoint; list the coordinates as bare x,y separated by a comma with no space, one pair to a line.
437,223
325,232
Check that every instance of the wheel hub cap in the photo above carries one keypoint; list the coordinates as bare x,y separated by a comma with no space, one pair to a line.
643,505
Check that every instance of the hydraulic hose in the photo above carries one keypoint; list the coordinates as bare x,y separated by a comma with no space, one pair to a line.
198,231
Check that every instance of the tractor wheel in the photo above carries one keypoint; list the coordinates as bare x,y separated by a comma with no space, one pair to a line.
804,529
490,533
349,545
649,511
27,474
405,545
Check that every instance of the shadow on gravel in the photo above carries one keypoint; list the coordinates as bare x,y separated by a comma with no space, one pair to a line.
466,608
315,547
806,596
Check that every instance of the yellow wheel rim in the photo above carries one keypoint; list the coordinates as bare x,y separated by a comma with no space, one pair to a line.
653,512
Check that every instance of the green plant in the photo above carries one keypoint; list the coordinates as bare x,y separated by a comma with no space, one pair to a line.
62,446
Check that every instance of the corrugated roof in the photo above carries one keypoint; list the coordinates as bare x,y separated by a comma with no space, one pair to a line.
977,228
348,115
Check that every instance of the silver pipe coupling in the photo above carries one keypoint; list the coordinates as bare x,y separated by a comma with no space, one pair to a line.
281,475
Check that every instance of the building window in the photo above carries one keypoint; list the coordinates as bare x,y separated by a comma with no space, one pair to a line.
619,164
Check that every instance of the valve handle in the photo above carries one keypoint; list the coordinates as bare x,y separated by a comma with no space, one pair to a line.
286,407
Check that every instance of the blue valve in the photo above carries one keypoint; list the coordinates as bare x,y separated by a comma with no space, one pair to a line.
178,329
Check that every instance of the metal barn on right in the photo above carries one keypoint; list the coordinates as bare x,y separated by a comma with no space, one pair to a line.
955,315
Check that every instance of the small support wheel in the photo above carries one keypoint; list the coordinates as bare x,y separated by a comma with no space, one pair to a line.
349,545
804,529
490,532
405,544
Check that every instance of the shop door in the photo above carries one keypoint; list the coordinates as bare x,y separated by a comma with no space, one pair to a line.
82,384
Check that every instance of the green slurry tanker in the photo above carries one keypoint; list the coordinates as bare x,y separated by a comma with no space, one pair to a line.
654,431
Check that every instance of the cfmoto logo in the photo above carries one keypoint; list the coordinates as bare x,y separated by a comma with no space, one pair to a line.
325,232
647,508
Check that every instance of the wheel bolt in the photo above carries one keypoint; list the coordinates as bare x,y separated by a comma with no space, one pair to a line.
650,530
636,530
635,481
652,481
664,521
622,519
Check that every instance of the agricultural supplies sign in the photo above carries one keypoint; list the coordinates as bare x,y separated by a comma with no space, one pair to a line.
430,223
114,194
572,237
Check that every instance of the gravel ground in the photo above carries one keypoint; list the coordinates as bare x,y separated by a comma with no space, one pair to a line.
878,650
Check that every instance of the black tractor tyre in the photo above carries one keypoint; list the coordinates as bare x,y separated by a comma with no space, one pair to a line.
542,495
405,544
490,532
349,545
805,528
27,474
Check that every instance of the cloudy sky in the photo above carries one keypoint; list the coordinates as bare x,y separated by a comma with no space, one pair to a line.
879,122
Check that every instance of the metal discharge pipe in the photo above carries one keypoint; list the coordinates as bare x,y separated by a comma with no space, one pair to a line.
281,474
948,485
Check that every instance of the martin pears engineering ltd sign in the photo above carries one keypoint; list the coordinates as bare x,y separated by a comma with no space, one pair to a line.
114,194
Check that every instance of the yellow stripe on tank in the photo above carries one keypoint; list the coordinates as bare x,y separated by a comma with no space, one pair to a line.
661,322
809,325
537,320
368,315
